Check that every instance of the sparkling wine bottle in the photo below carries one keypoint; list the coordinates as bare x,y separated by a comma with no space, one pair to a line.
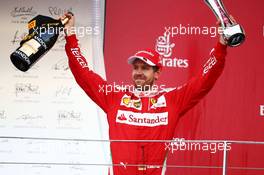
42,35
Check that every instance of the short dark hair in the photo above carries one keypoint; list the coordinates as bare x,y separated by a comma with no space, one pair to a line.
155,68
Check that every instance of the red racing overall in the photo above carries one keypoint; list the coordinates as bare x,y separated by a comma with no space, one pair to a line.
143,116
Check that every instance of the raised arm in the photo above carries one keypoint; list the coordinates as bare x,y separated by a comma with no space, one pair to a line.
189,94
89,81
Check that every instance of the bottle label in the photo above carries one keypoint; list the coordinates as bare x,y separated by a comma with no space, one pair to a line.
41,42
23,55
30,47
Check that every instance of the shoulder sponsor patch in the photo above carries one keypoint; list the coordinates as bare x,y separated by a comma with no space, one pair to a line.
142,119
209,64
81,60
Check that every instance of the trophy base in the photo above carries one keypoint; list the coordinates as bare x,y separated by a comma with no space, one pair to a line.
234,35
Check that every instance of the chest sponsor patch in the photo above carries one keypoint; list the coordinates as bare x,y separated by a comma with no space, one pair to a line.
128,102
142,119
160,102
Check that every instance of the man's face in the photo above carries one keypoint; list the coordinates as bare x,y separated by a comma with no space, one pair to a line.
143,75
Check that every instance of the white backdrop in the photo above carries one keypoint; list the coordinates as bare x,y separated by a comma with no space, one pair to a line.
45,102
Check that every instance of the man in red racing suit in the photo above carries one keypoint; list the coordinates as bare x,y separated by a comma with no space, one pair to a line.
143,115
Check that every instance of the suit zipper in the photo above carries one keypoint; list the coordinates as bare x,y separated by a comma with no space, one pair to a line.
144,172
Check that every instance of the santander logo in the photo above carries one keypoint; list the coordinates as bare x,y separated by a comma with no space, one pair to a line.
142,119
122,117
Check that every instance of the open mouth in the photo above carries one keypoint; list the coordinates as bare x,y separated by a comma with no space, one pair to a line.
139,78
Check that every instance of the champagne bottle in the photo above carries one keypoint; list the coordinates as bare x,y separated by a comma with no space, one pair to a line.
43,33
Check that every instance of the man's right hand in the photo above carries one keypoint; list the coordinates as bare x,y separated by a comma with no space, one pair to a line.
222,40
69,27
